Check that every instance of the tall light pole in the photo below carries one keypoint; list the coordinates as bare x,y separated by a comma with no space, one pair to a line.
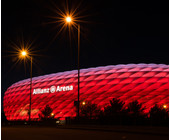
30,87
69,20
25,54
78,110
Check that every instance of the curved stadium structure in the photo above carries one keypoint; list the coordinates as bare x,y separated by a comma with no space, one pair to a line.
146,83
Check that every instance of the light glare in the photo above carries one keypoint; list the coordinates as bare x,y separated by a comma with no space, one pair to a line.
164,106
52,114
23,53
83,103
68,19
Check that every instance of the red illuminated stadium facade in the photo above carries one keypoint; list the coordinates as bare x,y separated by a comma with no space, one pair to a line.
146,83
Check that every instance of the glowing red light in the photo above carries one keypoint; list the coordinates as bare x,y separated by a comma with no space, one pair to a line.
146,83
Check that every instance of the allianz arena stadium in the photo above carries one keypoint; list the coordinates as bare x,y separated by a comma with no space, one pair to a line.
146,83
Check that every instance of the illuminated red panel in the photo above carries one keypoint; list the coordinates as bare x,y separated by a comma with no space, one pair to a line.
146,83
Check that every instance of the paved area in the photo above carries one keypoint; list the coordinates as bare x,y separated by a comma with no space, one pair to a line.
122,129
45,133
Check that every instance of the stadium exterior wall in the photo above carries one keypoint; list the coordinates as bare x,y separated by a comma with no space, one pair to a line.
146,83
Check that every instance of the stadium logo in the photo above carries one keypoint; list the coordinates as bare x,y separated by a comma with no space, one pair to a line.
52,89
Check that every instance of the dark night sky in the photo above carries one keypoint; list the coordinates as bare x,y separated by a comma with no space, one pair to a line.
115,32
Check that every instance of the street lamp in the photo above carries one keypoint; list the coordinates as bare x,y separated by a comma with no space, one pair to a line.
83,103
52,114
69,20
25,54
164,106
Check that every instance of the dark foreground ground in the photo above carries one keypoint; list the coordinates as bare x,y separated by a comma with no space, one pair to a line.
83,133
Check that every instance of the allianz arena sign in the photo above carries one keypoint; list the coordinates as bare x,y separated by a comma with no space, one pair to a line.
52,89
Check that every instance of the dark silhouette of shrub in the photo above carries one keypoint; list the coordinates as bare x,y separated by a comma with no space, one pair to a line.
46,113
159,116
115,107
113,113
135,113
89,110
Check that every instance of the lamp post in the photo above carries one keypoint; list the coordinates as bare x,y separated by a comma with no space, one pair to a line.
25,54
30,88
78,111
69,20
